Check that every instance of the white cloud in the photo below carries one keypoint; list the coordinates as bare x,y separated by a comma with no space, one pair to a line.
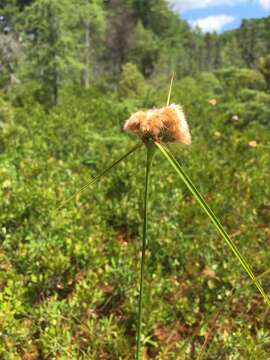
213,23
184,5
265,4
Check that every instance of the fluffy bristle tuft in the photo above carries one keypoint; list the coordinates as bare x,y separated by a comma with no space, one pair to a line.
167,124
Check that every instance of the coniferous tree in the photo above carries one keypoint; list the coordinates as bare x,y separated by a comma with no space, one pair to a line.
121,21
264,67
92,16
144,50
63,43
51,45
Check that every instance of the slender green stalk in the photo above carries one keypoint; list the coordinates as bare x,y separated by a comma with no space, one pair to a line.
150,154
96,178
184,177
170,90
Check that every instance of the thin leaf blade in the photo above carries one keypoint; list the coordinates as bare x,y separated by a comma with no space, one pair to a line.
205,207
98,177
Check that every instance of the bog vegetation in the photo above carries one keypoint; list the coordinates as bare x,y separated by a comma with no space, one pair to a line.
70,75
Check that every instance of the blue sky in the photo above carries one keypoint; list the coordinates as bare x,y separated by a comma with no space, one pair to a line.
220,15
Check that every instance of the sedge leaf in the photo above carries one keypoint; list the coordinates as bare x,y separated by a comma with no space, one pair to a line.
205,207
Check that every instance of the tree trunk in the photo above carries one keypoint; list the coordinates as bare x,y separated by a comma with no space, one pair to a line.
86,75
53,37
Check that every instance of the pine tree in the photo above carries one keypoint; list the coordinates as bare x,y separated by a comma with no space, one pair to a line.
144,49
92,16
121,21
51,44
264,67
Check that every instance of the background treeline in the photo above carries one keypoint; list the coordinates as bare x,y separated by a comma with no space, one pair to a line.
59,44
71,73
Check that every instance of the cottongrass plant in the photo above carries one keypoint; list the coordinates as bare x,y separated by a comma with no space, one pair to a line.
156,128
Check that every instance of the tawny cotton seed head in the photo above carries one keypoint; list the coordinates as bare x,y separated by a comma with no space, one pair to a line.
167,124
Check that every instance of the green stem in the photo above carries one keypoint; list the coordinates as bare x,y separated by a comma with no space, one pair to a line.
150,154
184,177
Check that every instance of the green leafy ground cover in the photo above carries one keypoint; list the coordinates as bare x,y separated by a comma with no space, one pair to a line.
69,278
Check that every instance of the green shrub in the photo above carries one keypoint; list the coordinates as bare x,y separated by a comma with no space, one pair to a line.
234,79
68,275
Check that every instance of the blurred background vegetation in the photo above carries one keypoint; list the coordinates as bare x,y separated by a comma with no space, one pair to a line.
70,74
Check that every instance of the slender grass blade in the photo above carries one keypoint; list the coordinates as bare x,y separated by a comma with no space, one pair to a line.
170,90
187,181
99,176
